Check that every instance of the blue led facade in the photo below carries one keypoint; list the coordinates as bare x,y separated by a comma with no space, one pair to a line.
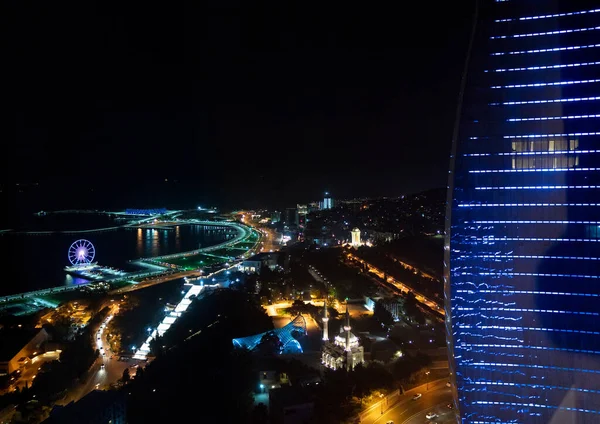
522,259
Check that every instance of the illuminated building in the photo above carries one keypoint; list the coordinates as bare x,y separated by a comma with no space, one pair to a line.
344,351
302,212
302,209
356,237
522,254
327,201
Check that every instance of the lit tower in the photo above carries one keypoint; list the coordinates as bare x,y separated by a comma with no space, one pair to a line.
325,322
327,201
522,248
355,237
347,329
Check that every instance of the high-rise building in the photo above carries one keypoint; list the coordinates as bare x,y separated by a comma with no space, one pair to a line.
355,237
327,201
522,258
276,217
290,217
302,209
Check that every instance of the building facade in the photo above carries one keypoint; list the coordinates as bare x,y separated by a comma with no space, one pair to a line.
19,346
327,201
522,279
355,237
344,351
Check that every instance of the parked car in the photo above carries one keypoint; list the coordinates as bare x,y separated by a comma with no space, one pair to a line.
431,415
417,396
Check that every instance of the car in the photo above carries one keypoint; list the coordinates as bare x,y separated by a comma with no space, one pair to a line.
389,422
450,406
431,415
417,396
448,384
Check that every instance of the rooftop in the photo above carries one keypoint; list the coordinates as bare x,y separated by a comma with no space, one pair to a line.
13,340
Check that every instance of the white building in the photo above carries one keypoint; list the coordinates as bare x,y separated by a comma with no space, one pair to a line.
356,237
344,351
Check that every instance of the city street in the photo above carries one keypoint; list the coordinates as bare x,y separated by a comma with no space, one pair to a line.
400,286
99,377
412,411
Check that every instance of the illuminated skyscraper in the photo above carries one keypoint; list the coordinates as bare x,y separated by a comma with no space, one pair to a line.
523,238
327,201
356,237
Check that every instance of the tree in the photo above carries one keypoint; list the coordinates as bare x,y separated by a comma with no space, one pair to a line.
269,344
126,377
382,315
260,414
139,374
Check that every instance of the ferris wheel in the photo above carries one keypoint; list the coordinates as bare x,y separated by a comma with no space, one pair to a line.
82,252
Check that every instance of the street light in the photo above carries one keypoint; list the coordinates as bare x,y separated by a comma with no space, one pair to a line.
427,374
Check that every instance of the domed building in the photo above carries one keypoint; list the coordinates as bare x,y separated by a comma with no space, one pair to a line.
344,351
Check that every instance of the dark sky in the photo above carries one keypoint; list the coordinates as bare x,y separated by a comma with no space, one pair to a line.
241,102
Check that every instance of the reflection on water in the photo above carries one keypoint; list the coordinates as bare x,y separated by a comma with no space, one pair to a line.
70,280
139,247
114,248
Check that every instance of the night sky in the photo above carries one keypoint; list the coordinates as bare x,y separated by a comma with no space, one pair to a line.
234,103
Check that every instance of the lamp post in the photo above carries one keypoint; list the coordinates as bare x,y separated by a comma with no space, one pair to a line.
427,374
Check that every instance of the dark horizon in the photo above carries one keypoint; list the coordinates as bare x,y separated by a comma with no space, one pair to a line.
241,104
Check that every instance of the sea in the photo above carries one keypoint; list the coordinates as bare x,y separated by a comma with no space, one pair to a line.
33,261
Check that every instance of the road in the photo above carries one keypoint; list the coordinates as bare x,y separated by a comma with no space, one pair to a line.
399,285
412,411
154,281
99,377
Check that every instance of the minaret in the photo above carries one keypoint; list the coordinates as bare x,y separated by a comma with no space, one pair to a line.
325,321
347,329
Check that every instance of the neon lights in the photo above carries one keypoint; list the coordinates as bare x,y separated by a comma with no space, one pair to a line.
523,238
577,134
511,205
532,102
547,84
549,257
551,118
555,15
539,68
81,252
533,153
540,34
561,187
554,49
491,171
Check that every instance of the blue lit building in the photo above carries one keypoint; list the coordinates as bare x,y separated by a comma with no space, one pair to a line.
522,257
327,201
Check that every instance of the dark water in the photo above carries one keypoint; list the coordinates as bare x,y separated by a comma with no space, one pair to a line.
31,262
